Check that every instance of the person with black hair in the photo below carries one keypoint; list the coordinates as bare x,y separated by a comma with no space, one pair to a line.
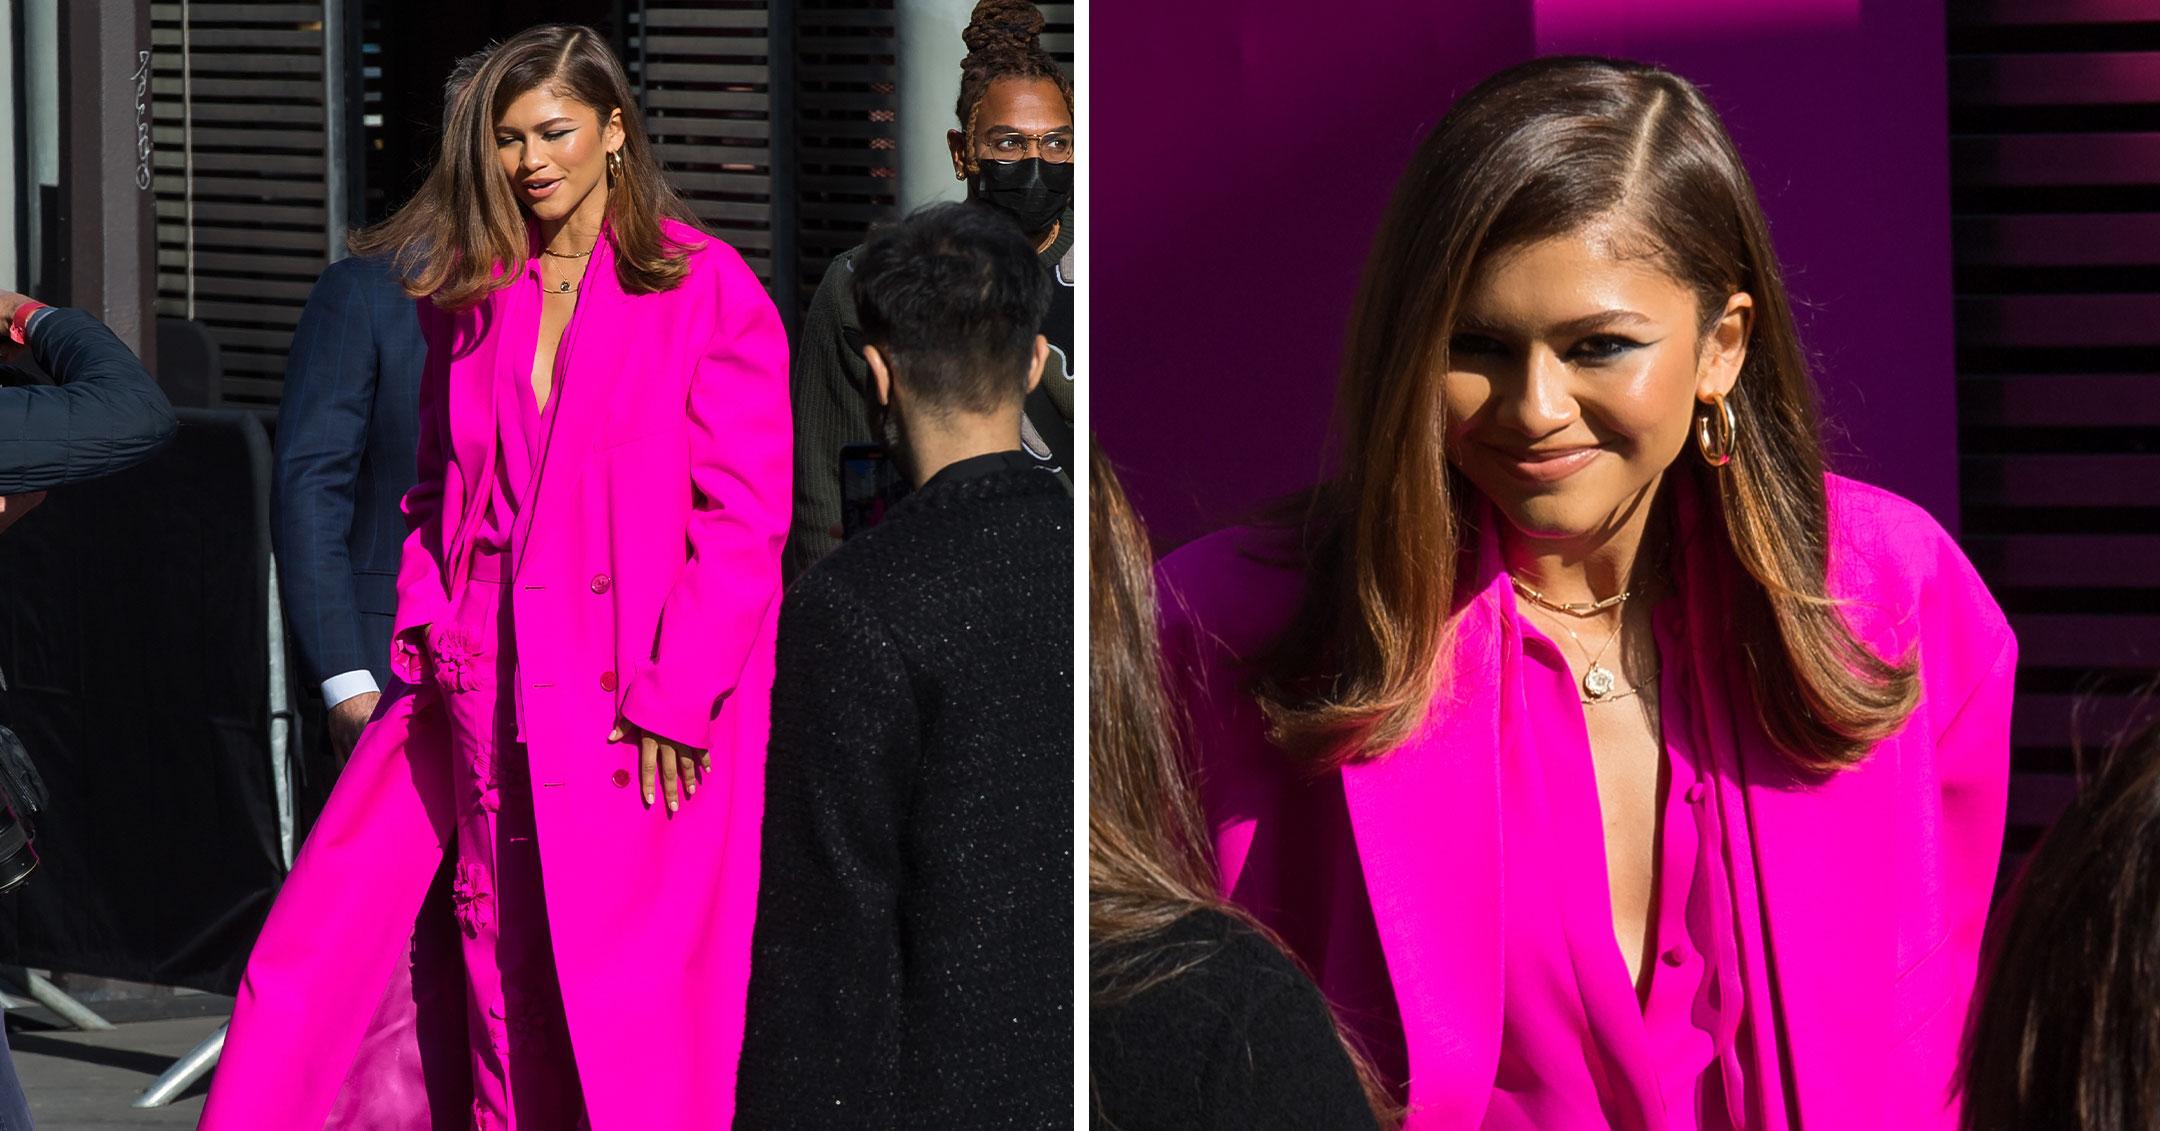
1015,149
912,959
2065,1025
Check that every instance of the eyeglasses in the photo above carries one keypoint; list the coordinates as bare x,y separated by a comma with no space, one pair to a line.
1055,148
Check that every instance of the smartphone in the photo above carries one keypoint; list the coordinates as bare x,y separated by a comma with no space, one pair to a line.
869,485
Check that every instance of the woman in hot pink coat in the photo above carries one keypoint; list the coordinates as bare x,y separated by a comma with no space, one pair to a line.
1607,762
585,644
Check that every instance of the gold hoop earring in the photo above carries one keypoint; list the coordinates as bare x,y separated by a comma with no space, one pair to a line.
615,166
1717,417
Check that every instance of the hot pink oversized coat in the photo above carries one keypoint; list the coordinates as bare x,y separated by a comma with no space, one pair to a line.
647,585
1385,876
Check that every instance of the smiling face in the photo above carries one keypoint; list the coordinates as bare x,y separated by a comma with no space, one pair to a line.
554,151
1574,372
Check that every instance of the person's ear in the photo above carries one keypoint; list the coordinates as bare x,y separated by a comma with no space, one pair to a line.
880,377
1725,349
612,136
957,142
1036,363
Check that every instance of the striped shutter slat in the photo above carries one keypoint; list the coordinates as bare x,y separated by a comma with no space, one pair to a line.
242,173
2055,167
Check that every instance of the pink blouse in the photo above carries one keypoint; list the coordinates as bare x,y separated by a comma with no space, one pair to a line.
1578,1048
522,425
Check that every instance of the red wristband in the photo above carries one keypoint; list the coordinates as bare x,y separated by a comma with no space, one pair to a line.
19,326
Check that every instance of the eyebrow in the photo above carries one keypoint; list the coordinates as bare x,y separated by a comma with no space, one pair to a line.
1601,320
542,127
1016,129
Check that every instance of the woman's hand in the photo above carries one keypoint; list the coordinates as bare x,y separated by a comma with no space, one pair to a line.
675,768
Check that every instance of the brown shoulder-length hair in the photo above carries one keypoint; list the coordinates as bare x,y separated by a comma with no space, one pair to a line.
1537,151
463,234
2065,1025
1148,859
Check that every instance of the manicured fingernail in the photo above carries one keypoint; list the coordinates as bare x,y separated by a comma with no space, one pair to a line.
648,799
673,805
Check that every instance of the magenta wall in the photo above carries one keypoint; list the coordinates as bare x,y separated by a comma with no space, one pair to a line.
1243,152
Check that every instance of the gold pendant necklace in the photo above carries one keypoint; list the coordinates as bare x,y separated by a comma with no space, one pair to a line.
1598,680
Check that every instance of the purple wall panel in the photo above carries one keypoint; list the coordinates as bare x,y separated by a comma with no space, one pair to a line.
1237,216
1244,152
1841,110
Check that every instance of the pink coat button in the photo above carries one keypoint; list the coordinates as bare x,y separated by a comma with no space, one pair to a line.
1673,957
622,779
600,582
607,681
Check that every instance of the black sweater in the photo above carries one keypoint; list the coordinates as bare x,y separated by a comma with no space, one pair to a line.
912,962
1236,1038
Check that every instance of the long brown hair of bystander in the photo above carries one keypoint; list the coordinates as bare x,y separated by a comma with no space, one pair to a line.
463,234
1148,859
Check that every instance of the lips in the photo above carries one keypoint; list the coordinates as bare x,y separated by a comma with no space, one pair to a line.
1550,466
540,189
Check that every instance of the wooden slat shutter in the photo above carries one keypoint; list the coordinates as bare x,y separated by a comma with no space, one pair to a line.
846,137
242,176
2055,150
705,76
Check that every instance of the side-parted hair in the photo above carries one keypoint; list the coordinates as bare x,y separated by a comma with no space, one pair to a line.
1004,41
1537,151
953,297
2065,1025
463,234
1149,863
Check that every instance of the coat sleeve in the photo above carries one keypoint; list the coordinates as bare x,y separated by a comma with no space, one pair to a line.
104,415
828,392
825,958
739,451
322,434
422,596
1968,668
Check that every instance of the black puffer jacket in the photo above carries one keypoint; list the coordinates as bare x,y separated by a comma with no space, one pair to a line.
104,414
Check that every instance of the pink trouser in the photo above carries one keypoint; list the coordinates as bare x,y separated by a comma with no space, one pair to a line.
523,1073
517,1072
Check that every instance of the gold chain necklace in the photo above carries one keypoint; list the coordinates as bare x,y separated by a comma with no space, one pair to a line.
1580,609
1598,680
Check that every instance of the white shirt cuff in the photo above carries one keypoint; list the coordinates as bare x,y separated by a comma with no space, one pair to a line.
345,685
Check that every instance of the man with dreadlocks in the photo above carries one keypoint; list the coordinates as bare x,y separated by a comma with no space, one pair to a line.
1014,148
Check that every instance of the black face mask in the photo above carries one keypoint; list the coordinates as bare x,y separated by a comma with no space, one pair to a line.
1034,191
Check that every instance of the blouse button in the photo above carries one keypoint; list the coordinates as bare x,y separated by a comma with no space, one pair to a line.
1695,793
1673,957
622,779
607,681
600,582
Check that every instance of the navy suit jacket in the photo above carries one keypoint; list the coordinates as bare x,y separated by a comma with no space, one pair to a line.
102,414
347,442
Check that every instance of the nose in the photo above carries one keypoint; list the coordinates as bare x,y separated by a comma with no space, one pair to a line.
1542,403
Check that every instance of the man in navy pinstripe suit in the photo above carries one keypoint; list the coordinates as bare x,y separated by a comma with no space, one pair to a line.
346,442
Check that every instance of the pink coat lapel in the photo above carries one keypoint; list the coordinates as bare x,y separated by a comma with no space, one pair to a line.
588,364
